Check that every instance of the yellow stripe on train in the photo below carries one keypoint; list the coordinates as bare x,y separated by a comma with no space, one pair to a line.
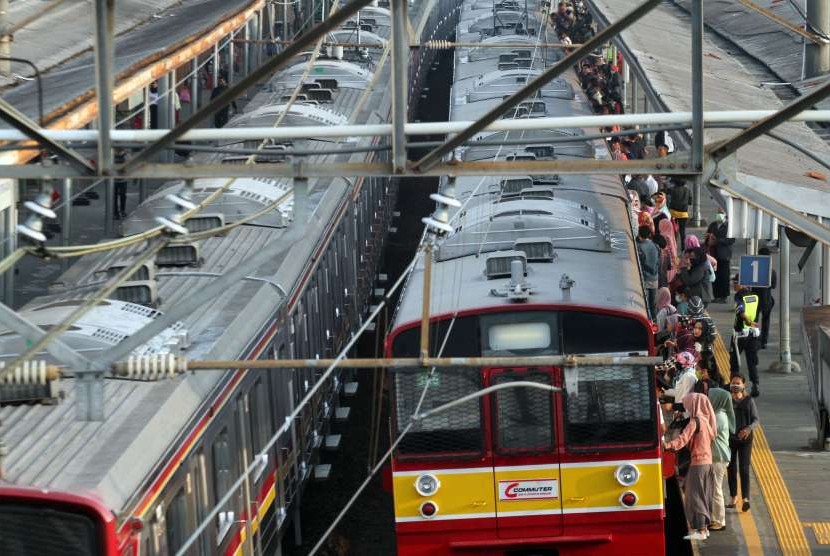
568,488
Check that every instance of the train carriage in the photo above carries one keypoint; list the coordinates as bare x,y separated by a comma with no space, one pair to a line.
140,481
535,265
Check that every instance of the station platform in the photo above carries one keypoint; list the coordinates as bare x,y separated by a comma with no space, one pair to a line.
789,513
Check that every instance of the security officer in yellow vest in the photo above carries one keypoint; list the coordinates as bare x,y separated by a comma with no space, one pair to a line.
745,333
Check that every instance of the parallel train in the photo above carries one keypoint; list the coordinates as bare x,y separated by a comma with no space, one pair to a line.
535,265
140,481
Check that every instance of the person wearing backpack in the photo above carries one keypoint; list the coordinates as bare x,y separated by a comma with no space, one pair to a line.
679,200
699,485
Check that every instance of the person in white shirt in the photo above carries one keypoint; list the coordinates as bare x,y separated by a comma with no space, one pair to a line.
686,380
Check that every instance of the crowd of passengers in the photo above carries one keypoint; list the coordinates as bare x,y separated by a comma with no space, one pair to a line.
708,413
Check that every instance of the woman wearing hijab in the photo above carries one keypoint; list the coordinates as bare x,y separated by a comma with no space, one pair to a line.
669,252
666,314
725,417
694,275
699,485
687,378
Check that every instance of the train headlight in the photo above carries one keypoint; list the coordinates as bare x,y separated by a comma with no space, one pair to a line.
627,474
628,499
427,485
429,509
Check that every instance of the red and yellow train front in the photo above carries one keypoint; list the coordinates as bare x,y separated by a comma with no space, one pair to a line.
525,471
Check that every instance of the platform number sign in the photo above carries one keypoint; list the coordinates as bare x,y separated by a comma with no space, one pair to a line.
755,271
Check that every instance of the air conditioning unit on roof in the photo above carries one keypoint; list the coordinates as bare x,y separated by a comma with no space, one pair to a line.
497,265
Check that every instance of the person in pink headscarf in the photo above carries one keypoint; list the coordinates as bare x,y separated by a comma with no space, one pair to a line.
699,485
669,260
665,313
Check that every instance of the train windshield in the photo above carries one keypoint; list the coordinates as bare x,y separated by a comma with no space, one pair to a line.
40,529
608,407
456,431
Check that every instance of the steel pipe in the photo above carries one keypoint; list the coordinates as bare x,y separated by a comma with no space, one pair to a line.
423,128
120,367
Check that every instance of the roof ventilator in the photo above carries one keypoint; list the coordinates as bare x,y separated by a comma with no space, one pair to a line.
537,249
205,222
184,204
146,271
518,289
41,208
439,221
32,381
141,292
498,264
179,254
565,284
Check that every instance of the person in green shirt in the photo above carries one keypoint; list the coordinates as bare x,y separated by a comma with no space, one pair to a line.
725,417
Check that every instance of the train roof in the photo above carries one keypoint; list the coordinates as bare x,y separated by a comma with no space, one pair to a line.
47,446
573,231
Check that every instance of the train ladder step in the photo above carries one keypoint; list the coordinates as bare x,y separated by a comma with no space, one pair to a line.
322,471
342,413
332,441
350,388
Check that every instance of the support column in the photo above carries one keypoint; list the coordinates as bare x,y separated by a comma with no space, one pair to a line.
816,63
163,108
246,48
697,103
5,38
400,78
10,235
785,364
231,53
66,217
825,271
215,76
194,85
634,93
104,32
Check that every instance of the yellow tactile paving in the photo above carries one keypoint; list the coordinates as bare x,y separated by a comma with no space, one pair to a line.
821,530
750,530
788,528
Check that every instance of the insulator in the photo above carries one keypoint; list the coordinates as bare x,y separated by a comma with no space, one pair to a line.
439,45
29,372
153,367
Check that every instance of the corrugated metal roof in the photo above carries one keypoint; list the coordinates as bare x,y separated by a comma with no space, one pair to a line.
661,42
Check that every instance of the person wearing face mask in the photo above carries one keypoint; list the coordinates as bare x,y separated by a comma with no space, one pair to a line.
720,247
721,454
740,443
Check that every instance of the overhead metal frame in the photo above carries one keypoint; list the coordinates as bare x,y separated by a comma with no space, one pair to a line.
535,85
233,91
22,123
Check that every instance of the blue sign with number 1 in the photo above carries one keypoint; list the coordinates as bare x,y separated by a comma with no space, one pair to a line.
755,271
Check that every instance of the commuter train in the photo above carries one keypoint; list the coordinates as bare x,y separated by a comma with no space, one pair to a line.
141,481
535,265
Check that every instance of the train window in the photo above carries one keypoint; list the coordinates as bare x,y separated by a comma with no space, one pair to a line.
600,333
528,333
260,420
222,479
524,416
455,432
176,519
450,338
609,408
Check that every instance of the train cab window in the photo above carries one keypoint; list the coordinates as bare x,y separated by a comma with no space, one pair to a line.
609,408
601,333
520,334
32,528
523,416
455,432
176,520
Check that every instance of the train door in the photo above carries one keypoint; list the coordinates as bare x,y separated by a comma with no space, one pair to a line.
525,455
